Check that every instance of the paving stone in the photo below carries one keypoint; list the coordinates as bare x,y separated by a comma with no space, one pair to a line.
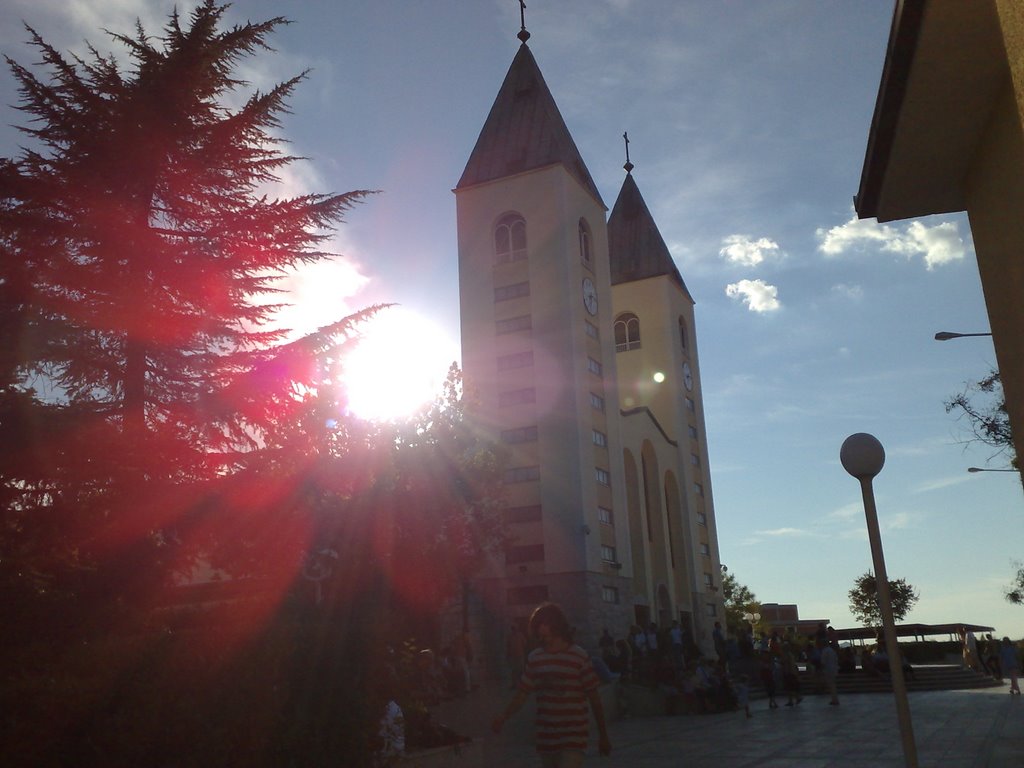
977,728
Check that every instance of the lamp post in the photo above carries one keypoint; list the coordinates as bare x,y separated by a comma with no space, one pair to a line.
752,619
982,469
947,335
863,457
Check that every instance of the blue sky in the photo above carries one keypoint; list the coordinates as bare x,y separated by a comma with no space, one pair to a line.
748,121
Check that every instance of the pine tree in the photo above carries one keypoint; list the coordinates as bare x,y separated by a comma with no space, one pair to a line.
140,260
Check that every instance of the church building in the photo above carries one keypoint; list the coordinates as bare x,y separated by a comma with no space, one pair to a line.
579,346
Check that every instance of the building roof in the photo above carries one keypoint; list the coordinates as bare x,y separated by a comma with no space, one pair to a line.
943,70
524,131
636,248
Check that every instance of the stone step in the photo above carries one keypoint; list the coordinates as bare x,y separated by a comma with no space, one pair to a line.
925,678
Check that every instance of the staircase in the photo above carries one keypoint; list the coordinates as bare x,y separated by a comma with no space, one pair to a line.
939,677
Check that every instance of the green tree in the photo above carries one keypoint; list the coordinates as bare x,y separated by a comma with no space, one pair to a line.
1015,592
139,252
864,599
411,508
983,404
152,419
739,600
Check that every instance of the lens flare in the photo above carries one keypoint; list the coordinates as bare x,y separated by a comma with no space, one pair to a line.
399,365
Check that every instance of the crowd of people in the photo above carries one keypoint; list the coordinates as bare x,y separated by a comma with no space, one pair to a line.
414,681
666,658
997,658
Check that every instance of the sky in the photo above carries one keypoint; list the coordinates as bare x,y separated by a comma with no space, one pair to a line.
748,122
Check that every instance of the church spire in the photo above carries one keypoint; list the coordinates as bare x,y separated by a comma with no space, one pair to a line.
628,166
636,249
524,131
523,34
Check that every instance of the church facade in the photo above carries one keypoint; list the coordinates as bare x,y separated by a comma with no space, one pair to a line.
580,350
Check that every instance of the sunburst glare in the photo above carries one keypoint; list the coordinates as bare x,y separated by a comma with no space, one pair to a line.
399,365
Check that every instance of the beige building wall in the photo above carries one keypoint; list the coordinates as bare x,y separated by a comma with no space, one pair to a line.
948,135
661,399
995,207
560,465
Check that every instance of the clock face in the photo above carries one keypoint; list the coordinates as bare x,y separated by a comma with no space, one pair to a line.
589,296
687,376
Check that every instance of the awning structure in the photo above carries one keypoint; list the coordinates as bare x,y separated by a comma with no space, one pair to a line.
912,630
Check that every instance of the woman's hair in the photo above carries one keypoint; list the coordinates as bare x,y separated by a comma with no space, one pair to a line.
552,615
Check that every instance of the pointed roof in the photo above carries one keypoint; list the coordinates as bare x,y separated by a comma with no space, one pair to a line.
636,248
524,130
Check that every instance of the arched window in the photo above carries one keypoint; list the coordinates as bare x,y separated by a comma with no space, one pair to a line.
585,255
683,336
510,238
627,332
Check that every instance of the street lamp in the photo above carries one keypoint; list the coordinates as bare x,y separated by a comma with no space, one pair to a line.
863,457
981,469
947,335
752,619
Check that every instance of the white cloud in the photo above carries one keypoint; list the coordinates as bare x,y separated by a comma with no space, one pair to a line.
318,294
788,412
936,245
899,521
740,249
853,510
838,240
941,483
851,292
758,295
67,24
854,534
940,244
791,532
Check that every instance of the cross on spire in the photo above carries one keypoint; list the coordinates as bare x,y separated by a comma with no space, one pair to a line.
628,166
523,34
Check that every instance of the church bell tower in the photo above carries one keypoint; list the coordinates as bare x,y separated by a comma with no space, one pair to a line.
539,357
579,356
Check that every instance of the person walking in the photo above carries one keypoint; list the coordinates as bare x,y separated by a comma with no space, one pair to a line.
1009,663
791,677
562,676
992,649
767,672
675,635
969,649
830,670
742,689
718,637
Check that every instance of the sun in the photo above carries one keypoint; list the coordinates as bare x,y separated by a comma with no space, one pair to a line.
399,365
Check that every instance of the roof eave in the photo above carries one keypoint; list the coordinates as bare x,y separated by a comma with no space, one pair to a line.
903,38
501,179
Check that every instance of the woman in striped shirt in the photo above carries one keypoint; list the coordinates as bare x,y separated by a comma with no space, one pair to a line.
562,675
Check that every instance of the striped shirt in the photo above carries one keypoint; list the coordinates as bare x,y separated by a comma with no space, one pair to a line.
562,681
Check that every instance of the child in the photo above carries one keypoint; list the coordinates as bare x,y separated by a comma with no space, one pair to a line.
742,690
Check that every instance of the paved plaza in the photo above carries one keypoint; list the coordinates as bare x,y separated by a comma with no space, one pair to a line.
953,729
